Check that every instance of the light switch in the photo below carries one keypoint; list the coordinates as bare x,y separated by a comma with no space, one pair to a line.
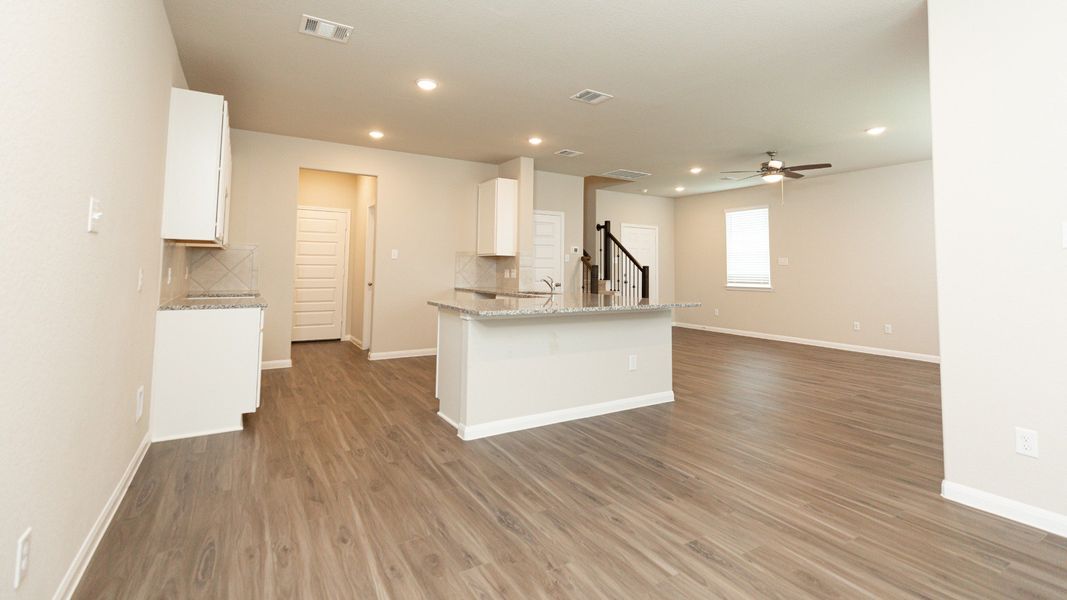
140,279
95,214
394,254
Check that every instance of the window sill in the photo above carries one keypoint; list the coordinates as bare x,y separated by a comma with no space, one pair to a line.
749,288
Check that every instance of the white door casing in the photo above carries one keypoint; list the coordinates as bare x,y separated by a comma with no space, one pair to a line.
548,247
643,242
368,275
321,274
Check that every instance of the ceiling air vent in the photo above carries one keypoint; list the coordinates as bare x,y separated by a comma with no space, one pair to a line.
626,174
591,96
325,29
568,153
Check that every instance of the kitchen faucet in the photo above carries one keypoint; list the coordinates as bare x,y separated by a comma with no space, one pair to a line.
551,283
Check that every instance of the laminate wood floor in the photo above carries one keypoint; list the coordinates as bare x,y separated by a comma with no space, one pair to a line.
781,471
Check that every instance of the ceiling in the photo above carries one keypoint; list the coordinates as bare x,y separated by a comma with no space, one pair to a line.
710,83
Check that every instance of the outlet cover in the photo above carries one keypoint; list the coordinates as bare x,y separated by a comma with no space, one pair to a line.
783,261
888,328
140,404
1026,442
633,362
855,325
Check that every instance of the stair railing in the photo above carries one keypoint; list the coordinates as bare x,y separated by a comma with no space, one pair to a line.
624,273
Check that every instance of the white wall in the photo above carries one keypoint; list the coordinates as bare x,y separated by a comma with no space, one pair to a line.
998,97
860,247
427,210
83,110
563,193
643,209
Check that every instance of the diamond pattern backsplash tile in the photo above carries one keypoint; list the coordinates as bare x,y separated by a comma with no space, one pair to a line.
234,269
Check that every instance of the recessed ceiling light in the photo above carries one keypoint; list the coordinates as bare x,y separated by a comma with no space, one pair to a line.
377,134
696,170
427,84
679,189
536,141
876,130
644,191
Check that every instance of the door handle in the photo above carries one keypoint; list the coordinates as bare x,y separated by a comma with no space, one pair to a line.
370,284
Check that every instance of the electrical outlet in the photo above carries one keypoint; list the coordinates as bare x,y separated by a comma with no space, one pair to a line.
783,261
855,325
140,404
187,272
888,328
140,279
1026,442
716,312
22,557
633,362
96,212
394,253
169,275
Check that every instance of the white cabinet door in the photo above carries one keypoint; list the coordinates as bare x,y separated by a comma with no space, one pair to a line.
196,186
498,217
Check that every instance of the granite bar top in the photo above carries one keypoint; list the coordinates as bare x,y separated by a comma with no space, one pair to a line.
211,301
556,305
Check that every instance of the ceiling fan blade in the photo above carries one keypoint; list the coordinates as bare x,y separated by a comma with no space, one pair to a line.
758,174
750,171
792,175
808,167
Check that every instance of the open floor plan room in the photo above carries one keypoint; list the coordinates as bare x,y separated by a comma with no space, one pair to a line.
533,299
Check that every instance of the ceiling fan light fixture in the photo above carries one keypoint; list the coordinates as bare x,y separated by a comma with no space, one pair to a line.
775,164
773,177
879,130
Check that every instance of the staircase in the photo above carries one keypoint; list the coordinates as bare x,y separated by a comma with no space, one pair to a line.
617,271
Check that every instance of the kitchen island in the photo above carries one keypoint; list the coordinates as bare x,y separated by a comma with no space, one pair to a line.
512,362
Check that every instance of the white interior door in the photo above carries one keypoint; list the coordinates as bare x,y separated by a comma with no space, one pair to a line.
643,242
548,247
321,273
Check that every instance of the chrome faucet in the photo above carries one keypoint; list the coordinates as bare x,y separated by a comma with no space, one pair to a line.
551,283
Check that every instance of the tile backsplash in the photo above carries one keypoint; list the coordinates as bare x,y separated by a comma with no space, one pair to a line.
233,269
473,271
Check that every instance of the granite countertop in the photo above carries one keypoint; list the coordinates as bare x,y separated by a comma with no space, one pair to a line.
216,300
566,304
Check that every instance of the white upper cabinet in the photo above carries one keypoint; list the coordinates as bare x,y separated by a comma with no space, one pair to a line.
498,217
196,192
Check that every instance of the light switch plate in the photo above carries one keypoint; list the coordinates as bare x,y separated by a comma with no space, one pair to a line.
394,254
95,214
1026,442
1065,234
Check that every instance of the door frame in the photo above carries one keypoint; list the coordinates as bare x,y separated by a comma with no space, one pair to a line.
653,286
344,279
562,244
369,260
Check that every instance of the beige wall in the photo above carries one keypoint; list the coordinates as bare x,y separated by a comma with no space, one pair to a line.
427,210
357,193
563,193
642,209
998,118
83,110
860,247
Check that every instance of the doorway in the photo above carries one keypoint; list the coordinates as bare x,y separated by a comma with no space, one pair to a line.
548,247
332,304
643,242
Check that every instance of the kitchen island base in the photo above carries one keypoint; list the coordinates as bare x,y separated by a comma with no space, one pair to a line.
501,374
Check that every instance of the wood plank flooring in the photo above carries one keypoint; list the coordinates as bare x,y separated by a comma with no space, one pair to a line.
781,471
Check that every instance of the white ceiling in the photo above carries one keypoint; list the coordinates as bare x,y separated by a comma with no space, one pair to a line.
712,83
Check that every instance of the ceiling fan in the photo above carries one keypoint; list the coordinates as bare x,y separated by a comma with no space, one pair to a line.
774,170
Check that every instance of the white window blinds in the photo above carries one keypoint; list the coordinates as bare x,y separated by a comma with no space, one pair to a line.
748,248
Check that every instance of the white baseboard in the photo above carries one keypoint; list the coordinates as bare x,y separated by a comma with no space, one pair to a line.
96,533
355,342
446,419
1014,510
276,364
481,430
198,434
402,354
930,358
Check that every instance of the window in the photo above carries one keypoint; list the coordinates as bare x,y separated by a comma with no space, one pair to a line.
748,248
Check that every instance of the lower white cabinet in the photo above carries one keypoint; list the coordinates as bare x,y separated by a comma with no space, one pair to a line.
206,370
